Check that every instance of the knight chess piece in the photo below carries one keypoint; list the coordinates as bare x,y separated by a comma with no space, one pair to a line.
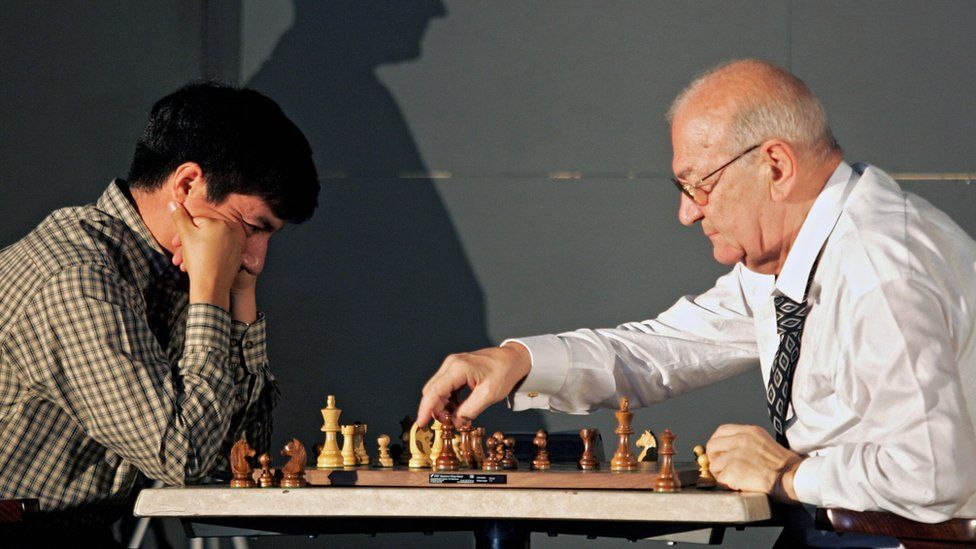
239,466
623,458
401,451
293,471
330,457
266,480
362,458
588,461
447,460
418,458
648,442
541,461
706,481
667,477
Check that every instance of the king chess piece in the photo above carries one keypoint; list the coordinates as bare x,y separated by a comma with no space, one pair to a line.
623,458
330,457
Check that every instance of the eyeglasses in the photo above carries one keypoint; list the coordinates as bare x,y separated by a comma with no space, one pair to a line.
691,189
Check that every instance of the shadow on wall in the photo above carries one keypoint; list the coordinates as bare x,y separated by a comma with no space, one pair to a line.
367,298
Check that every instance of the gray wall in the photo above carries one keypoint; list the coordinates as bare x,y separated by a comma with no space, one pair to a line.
498,100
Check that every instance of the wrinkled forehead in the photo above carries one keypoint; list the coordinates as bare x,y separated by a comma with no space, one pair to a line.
695,140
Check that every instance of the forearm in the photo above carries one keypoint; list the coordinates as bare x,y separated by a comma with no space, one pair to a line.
243,305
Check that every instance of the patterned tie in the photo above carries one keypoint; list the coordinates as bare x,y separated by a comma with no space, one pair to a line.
790,317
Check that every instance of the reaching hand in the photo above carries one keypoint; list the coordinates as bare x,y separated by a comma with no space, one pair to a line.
490,373
209,251
745,457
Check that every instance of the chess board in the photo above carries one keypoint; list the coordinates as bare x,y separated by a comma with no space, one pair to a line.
560,476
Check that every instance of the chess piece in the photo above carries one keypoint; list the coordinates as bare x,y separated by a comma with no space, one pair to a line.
447,461
648,442
465,454
509,461
362,458
294,470
383,443
541,461
418,458
330,457
239,466
348,445
706,481
623,458
402,450
588,461
438,446
667,477
490,463
266,480
477,449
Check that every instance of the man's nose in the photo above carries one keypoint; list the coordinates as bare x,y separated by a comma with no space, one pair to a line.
255,251
688,211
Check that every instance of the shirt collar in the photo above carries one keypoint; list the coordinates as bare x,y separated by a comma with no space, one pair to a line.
819,223
116,202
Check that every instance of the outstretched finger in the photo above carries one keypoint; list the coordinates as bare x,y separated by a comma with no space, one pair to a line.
476,403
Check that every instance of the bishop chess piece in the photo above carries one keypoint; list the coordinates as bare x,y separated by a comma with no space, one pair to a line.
438,446
706,481
293,473
330,457
588,461
541,461
667,477
384,459
239,466
447,461
266,480
490,463
623,458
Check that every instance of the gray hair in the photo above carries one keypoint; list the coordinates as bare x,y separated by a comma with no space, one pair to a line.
785,109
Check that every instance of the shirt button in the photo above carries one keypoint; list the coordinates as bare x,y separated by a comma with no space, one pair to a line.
248,344
533,394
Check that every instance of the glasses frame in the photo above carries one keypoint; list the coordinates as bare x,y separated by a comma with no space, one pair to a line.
689,189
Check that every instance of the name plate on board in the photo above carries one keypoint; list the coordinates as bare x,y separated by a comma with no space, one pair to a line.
467,478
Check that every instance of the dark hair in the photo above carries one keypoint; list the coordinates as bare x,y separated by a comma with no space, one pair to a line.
242,141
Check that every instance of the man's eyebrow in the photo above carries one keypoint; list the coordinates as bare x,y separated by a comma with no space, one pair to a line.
265,224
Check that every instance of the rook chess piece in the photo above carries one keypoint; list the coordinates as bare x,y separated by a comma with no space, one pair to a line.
266,480
294,470
541,461
706,481
447,461
588,461
239,465
384,459
623,458
648,442
330,457
667,477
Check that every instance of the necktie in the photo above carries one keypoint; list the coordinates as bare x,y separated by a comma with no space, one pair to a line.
790,317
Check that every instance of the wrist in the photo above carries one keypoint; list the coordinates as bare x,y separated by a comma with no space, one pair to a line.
521,359
785,489
202,293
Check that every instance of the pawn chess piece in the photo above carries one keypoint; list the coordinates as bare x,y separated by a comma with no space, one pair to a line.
266,480
706,481
509,461
623,458
293,473
239,466
648,442
490,463
348,445
477,447
383,443
418,458
667,477
588,461
330,457
438,446
447,461
541,461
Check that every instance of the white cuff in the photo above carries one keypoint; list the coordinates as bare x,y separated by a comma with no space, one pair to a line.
807,481
550,363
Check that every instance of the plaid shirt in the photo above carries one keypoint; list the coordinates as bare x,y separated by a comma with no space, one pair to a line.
105,370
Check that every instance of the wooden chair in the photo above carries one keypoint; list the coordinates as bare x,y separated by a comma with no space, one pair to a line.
960,532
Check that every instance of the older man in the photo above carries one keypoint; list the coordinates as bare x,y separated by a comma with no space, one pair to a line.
855,299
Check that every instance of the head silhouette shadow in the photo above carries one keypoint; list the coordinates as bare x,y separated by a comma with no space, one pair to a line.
367,298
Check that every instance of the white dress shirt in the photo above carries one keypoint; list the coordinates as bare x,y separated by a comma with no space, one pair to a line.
884,392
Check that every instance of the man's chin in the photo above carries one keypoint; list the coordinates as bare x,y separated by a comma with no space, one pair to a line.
726,256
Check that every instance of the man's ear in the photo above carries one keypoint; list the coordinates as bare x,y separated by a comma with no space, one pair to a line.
780,162
186,179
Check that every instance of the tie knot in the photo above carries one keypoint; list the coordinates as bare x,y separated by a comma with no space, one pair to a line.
790,315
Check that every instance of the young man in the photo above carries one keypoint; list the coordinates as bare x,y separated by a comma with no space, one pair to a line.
130,338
